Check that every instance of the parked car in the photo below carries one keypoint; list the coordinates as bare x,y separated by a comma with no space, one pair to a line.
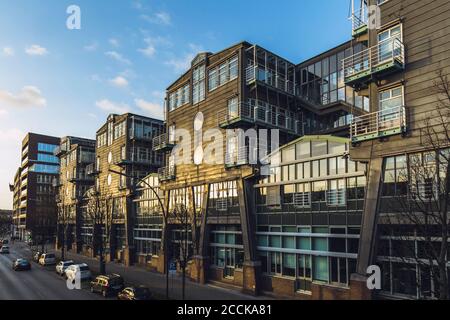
62,266
4,250
4,241
21,265
47,259
135,293
37,256
107,285
81,269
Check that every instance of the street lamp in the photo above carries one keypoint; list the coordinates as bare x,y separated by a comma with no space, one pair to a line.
166,256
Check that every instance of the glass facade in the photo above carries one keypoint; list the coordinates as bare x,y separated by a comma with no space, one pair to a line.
309,213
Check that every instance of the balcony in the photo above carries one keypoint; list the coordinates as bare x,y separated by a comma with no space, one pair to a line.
81,178
378,124
269,77
375,62
166,173
163,143
60,150
302,199
259,112
135,159
91,170
240,157
360,18
336,197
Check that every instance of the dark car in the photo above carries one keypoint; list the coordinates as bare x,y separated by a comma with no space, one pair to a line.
107,285
21,265
135,293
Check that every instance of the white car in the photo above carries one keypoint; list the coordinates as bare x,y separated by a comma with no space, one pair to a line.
47,259
78,269
62,266
4,250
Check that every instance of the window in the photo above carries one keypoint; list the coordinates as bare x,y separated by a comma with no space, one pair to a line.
225,72
392,98
179,97
119,130
47,158
45,147
289,264
198,85
320,269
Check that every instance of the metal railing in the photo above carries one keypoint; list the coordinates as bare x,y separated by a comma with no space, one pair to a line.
360,18
239,157
60,150
135,158
336,197
162,141
260,111
390,50
241,111
380,123
166,173
302,199
91,169
269,77
221,204
81,177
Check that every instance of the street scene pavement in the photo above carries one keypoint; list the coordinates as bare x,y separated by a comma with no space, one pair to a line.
42,283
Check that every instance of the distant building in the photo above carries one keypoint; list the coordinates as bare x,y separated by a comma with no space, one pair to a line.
34,202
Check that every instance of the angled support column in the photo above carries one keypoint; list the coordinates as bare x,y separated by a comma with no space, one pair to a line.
368,231
251,266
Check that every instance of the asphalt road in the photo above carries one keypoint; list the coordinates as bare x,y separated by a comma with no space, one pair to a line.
41,283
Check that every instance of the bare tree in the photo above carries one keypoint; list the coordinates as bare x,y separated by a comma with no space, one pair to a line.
64,220
100,212
424,204
187,222
5,224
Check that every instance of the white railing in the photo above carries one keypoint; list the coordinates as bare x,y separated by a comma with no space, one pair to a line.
359,17
162,141
270,77
391,50
91,169
336,197
302,199
166,173
241,111
221,204
376,124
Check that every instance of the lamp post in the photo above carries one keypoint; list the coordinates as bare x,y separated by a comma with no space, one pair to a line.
166,257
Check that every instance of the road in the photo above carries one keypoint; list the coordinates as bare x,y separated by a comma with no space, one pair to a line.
41,283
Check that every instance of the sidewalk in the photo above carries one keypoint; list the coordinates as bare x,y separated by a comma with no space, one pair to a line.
156,282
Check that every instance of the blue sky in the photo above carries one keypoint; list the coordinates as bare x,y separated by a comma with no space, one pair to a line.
62,82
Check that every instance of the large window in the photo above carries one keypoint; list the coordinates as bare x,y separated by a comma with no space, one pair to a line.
47,158
45,147
223,73
179,97
198,85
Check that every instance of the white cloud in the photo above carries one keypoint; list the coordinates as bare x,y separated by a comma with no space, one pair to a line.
36,50
114,42
29,96
91,47
153,110
161,18
159,94
181,64
8,51
149,51
3,113
118,57
119,82
110,106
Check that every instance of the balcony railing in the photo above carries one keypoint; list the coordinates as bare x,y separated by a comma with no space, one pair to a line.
259,112
360,18
378,124
386,57
163,142
240,157
269,77
91,169
166,173
336,197
60,150
302,199
135,158
81,177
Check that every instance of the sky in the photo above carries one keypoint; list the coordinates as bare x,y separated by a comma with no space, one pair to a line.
58,81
